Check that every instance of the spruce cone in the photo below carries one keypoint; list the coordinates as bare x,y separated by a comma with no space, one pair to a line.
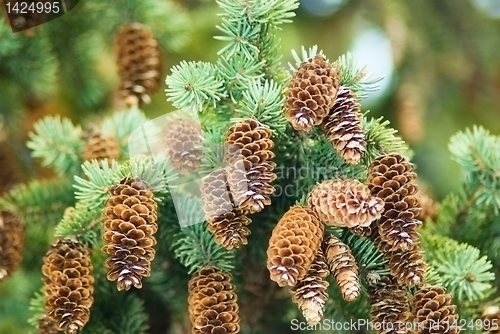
491,316
432,305
99,146
181,141
225,221
343,127
311,93
343,267
294,245
249,167
131,214
69,285
345,203
407,267
213,307
389,305
310,293
139,63
11,243
391,179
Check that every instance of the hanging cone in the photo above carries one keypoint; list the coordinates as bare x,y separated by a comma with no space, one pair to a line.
293,246
212,303
407,267
225,221
432,308
311,93
343,267
139,63
392,178
131,214
181,144
249,167
345,203
310,293
68,284
99,146
343,127
389,304
11,243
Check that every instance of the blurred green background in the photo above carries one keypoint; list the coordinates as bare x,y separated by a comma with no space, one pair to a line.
440,60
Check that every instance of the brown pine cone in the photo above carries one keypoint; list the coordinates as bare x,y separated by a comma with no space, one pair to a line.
181,144
249,167
131,214
225,221
343,267
99,146
363,231
46,325
389,304
490,317
212,303
311,93
391,179
293,246
310,293
68,284
432,305
407,267
345,203
343,127
139,63
11,243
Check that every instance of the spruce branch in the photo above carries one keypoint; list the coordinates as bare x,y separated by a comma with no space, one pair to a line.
356,77
81,222
194,84
305,55
264,101
275,12
58,143
380,139
100,176
239,36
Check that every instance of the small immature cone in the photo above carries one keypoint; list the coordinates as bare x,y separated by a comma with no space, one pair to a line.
407,267
392,178
389,305
490,317
310,293
213,306
139,63
99,146
225,221
343,127
11,243
68,285
345,203
311,93
249,163
180,141
432,307
131,215
293,246
343,267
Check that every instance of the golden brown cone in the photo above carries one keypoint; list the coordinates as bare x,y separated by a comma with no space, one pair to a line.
343,267
181,144
68,285
343,127
11,243
129,228
345,203
311,93
310,293
294,244
213,306
99,146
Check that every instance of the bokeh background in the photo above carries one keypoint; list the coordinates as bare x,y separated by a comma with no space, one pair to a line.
439,59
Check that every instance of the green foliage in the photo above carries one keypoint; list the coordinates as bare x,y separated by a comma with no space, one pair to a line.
464,272
59,144
356,77
100,176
